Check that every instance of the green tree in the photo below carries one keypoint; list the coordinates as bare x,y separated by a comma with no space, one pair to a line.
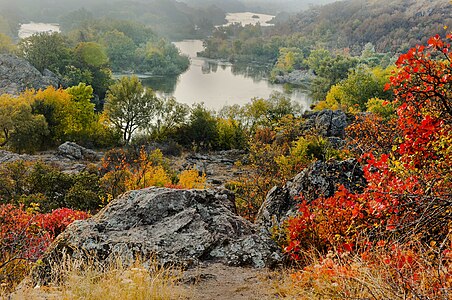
129,106
352,93
46,51
56,106
201,130
329,70
169,115
20,130
83,119
91,54
120,49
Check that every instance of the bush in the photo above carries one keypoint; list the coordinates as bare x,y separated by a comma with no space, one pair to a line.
201,130
47,187
123,171
25,235
190,179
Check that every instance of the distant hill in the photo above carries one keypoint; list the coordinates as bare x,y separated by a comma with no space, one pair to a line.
171,18
391,25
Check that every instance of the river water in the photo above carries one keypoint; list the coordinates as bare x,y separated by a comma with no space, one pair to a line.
31,28
210,81
217,83
246,18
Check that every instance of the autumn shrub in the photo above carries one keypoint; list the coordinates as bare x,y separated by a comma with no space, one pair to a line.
407,201
372,133
123,173
32,183
24,236
381,271
275,156
382,108
190,179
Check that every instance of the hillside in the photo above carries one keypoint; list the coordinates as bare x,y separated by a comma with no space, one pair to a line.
390,25
167,17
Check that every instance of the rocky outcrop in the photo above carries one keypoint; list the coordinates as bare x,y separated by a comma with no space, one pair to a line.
17,75
319,179
176,226
297,77
219,166
76,152
70,157
328,123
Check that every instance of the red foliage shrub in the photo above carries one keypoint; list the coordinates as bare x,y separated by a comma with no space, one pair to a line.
25,235
28,234
408,196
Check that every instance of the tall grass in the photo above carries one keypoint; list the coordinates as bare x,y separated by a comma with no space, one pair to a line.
385,273
73,279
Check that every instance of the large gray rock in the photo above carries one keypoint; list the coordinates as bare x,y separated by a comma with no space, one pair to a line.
297,77
17,75
74,151
65,164
176,226
329,123
319,179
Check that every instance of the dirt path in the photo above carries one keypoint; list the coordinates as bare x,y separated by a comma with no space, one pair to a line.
220,282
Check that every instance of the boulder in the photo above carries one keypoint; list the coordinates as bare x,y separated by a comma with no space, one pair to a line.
65,164
319,179
7,156
76,152
183,227
296,77
328,123
17,75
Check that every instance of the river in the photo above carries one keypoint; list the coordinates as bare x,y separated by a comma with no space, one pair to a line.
28,29
217,83
210,81
246,18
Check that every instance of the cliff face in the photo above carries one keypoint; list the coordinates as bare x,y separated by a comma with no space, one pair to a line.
17,75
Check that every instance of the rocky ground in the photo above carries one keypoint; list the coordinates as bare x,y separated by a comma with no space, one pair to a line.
217,281
225,256
17,75
207,282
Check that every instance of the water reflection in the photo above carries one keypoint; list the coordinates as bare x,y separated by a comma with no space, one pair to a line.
255,72
167,84
218,83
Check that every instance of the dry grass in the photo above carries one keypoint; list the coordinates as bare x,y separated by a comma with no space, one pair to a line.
93,281
375,278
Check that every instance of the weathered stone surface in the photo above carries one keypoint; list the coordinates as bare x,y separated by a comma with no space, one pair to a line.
327,122
177,226
297,77
65,164
218,166
16,75
319,179
73,151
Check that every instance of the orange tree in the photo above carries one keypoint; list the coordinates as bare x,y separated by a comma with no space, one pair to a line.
408,196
